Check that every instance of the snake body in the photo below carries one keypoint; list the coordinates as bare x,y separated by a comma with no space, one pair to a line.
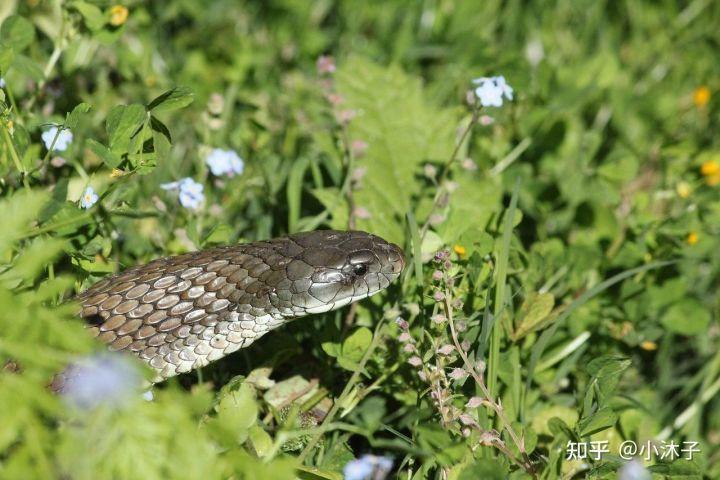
182,312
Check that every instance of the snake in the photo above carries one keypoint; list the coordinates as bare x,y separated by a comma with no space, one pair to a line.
180,313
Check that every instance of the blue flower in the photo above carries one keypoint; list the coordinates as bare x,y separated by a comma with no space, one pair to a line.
225,162
109,379
490,91
2,82
89,198
368,467
191,192
64,138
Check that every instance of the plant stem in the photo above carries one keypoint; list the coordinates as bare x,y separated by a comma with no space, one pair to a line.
14,155
346,391
526,464
446,169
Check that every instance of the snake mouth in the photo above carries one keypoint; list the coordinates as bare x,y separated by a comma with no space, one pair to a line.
396,257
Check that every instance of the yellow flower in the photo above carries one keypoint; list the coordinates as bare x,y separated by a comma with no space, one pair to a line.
118,15
648,345
710,167
692,238
701,96
713,179
683,189
460,250
10,127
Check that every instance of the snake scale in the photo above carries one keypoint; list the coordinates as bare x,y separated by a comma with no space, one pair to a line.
182,312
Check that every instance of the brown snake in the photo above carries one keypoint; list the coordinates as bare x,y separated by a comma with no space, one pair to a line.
183,312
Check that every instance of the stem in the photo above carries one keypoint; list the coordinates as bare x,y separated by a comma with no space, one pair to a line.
526,464
446,169
346,391
14,155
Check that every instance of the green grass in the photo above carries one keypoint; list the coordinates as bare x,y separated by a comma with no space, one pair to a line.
576,300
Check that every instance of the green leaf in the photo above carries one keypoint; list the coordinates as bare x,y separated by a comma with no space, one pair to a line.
237,412
485,468
72,119
110,159
606,373
403,129
597,422
123,122
687,317
92,15
7,55
679,468
28,67
178,97
17,32
354,347
534,310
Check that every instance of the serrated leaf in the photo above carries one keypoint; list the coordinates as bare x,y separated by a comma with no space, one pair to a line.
122,123
173,99
72,119
597,422
403,130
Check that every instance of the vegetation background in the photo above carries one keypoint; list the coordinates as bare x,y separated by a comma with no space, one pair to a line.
576,300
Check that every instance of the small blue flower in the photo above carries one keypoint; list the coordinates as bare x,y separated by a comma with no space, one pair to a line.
490,91
64,138
2,82
225,162
191,192
107,379
89,198
368,467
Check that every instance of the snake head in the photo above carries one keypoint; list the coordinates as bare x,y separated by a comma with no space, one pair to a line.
339,268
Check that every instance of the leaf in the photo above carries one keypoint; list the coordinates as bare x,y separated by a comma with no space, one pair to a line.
485,468
7,55
403,130
110,159
534,310
160,127
34,259
72,119
606,372
17,32
687,317
259,440
354,347
178,97
678,468
92,15
122,123
597,422
29,67
237,412
59,197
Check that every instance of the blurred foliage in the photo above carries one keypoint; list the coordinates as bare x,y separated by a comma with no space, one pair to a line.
611,142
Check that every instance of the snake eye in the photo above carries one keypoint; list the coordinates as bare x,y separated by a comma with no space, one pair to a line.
360,269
